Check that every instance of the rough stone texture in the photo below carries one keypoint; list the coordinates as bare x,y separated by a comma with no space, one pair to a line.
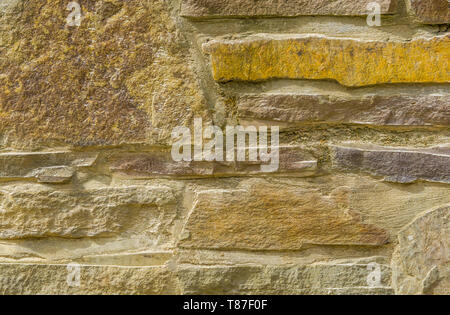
401,165
282,218
244,8
294,161
430,11
314,279
83,213
351,62
123,76
381,110
421,261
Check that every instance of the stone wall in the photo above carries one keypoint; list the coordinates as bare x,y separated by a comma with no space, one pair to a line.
359,204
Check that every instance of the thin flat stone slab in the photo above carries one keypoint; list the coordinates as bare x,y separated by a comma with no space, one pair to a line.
380,110
430,11
293,161
401,165
288,8
23,165
351,62
264,216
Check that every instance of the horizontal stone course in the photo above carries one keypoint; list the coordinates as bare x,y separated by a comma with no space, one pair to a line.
401,165
351,62
294,161
328,278
383,110
46,167
288,8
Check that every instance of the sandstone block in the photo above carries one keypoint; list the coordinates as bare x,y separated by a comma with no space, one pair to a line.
245,8
383,110
96,84
27,279
351,62
283,217
421,261
103,212
327,278
401,165
293,161
51,167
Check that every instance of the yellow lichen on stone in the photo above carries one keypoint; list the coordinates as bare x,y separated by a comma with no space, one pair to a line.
348,61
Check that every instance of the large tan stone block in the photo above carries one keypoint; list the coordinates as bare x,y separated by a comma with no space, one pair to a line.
29,213
263,216
122,76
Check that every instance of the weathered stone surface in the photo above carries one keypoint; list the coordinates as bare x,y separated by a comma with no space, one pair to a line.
123,76
283,217
294,161
431,11
244,8
401,165
28,213
45,167
104,280
387,110
351,62
421,261
327,278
